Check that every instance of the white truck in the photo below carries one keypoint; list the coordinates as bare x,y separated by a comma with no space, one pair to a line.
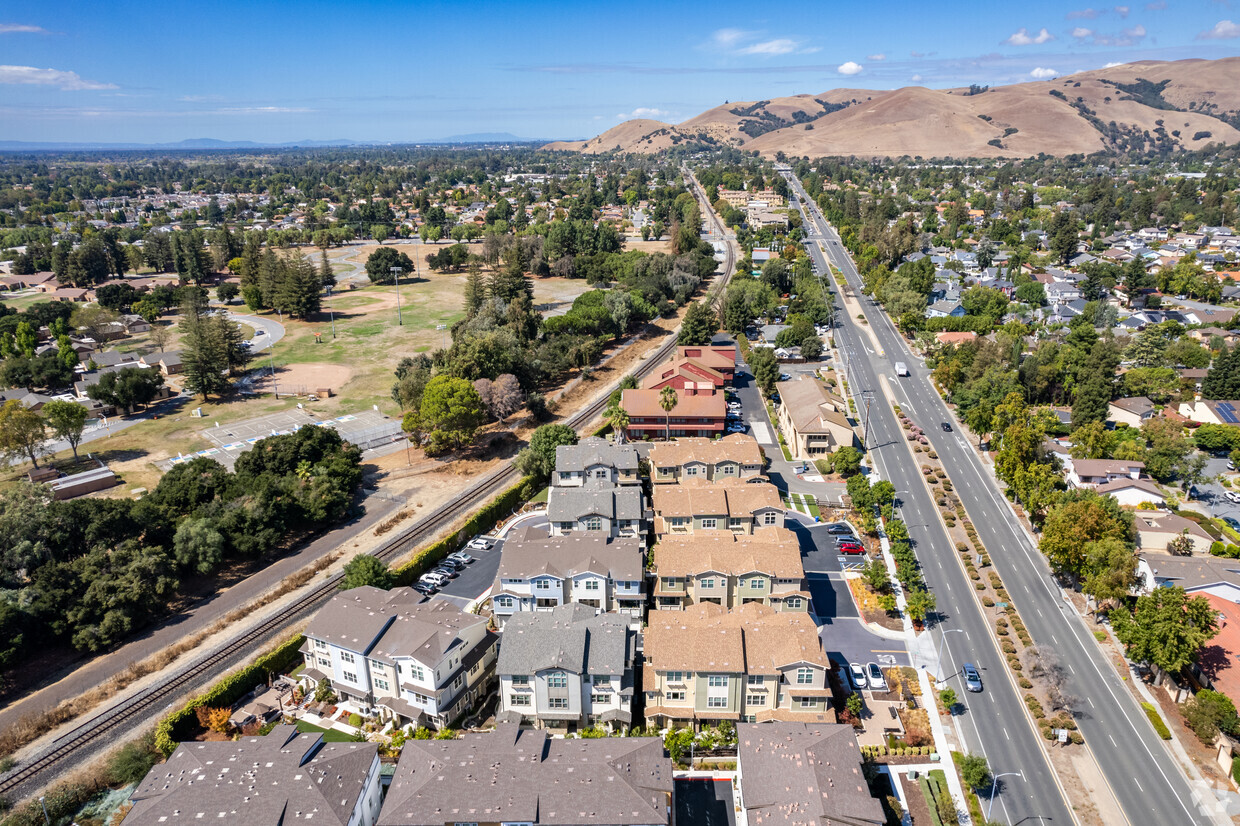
901,369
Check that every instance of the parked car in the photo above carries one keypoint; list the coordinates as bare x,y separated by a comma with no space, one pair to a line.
480,543
972,679
1232,523
785,377
856,676
434,578
851,548
839,527
947,428
425,588
461,557
876,679
1233,496
444,570
452,564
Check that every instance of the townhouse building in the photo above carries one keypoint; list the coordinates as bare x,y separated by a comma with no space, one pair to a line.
598,459
599,507
730,570
728,504
814,421
281,777
397,656
568,667
523,777
538,572
736,456
707,664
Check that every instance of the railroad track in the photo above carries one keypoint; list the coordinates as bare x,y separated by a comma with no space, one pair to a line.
146,704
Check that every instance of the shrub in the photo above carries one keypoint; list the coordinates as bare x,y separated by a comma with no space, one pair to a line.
1023,682
988,602
1035,707
355,720
133,760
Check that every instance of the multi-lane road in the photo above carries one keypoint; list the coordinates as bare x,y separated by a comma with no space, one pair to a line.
1145,780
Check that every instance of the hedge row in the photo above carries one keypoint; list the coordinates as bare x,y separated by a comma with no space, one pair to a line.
483,520
1156,721
183,723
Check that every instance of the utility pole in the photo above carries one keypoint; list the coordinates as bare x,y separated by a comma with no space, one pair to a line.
331,312
866,395
396,271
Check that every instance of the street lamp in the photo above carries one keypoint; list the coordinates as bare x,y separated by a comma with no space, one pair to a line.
43,803
396,271
939,656
331,312
994,784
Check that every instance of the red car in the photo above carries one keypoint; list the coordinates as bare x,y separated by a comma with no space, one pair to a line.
851,548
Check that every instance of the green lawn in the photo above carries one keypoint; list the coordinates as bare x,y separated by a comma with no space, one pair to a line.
329,735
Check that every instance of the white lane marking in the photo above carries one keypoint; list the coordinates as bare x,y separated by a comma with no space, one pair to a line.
1139,786
1091,701
1005,734
1113,743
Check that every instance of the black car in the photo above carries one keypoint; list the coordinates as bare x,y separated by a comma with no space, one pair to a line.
839,529
947,428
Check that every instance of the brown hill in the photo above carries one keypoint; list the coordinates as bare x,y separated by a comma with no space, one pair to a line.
1185,104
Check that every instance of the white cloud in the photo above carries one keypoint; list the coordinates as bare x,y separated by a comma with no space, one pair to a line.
778,46
1157,5
643,112
917,78
1223,30
728,37
1084,14
1042,74
31,76
744,42
1122,11
876,57
1023,38
1112,65
850,68
1081,32
14,28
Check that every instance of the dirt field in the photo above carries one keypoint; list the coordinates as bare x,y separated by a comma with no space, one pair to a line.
302,379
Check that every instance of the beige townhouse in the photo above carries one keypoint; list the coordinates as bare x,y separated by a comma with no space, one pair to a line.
730,570
736,456
732,505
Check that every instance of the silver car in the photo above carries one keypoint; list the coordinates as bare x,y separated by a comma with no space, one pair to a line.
856,676
972,679
875,674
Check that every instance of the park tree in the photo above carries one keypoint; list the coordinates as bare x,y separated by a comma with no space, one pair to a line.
67,421
97,321
22,433
379,232
1073,524
765,368
699,325
975,771
846,461
538,459
365,569
210,349
1110,569
412,374
380,262
198,546
450,414
1167,629
127,388
502,397
227,291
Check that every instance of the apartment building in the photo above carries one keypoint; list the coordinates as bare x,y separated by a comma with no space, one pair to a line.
699,411
567,667
282,777
707,664
523,777
711,366
730,570
813,420
736,456
599,507
728,504
597,459
395,655
538,572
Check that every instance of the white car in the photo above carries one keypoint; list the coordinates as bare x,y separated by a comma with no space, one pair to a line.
461,557
438,580
856,676
877,681
480,543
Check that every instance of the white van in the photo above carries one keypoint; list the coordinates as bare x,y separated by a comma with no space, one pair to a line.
901,369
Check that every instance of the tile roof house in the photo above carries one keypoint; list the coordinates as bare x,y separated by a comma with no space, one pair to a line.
1157,529
696,413
595,458
1212,411
1132,411
598,507
732,504
523,776
735,456
706,664
567,666
283,777
400,656
538,572
800,773
712,365
955,338
730,569
1089,473
1218,662
812,419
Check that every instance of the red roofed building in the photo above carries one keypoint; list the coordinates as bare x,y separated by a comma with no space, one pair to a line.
955,338
1220,658
698,412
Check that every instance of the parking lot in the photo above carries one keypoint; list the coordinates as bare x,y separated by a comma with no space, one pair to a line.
479,575
1213,495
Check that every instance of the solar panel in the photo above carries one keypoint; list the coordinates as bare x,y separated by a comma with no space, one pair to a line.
1227,412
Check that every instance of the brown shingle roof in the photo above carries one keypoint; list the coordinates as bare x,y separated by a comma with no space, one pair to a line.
737,447
752,639
697,496
768,550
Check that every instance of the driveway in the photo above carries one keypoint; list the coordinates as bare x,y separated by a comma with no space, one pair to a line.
271,330
479,576
1211,494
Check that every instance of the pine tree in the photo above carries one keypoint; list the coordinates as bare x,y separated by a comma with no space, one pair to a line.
204,350
475,290
327,278
1223,379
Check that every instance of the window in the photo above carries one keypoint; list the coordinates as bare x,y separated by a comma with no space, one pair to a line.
769,518
675,677
416,673
749,718
716,702
592,523
382,685
674,696
808,702
708,582
691,470
378,665
600,698
557,680
350,677
669,582
755,679
601,473
557,702
543,585
709,523
805,676
519,700
727,470
325,662
753,699
600,679
346,657
457,682
736,522
319,644
520,679
717,681
591,584
504,602
793,602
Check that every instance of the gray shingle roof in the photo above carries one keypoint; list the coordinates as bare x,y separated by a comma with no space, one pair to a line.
530,551
596,496
593,451
571,637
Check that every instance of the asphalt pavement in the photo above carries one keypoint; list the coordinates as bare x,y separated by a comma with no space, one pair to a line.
1140,770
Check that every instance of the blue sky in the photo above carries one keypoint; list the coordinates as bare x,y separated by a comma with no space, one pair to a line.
406,71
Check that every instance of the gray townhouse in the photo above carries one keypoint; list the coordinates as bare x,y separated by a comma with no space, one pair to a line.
568,667
598,459
597,506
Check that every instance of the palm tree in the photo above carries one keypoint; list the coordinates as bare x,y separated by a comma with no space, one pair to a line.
668,399
618,418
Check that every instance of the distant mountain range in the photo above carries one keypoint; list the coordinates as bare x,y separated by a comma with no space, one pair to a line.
213,143
1185,104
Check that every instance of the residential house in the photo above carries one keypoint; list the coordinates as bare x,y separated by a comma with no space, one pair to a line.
523,777
396,655
1133,411
597,507
1204,334
595,458
700,505
1210,315
696,413
751,664
1089,473
167,363
1212,411
1157,529
813,420
1062,292
538,572
796,773
730,569
283,777
1133,493
955,338
735,456
1195,574
718,357
945,309
567,667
